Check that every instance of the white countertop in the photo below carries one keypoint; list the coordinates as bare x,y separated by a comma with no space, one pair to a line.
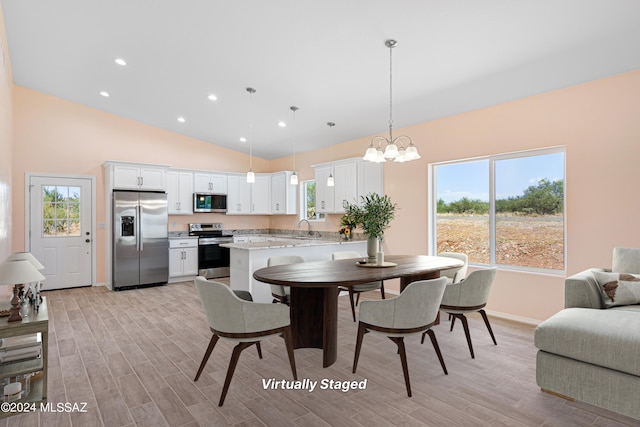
287,243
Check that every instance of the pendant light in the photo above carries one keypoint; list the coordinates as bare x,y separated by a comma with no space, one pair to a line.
394,150
251,177
294,176
330,181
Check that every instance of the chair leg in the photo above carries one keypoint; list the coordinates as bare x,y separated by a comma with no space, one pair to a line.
358,298
361,332
382,288
486,322
259,349
353,308
232,367
403,359
453,321
432,335
288,341
205,359
465,325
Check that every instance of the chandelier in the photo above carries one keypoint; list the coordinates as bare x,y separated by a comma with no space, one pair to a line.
394,148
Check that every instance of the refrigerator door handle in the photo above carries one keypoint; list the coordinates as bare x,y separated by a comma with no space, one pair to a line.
140,240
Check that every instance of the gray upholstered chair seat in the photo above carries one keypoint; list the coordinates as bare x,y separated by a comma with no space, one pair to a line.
413,311
455,275
240,320
282,293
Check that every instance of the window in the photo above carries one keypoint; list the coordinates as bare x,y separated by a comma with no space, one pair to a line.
308,201
60,211
503,210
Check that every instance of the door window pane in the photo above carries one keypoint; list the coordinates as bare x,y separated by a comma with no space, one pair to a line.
60,211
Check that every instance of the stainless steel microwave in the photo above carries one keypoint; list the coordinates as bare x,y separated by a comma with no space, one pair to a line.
207,202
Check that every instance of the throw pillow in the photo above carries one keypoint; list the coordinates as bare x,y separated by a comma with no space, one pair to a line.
618,288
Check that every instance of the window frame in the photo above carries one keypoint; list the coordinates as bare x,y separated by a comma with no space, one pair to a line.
492,159
303,202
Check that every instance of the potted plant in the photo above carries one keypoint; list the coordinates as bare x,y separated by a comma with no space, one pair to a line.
373,215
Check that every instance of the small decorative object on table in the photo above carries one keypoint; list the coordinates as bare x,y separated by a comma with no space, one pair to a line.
345,232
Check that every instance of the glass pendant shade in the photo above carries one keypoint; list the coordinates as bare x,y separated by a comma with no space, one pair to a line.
294,178
370,154
330,181
412,152
391,152
251,177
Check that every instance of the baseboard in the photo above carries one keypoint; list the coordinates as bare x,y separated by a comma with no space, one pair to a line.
519,319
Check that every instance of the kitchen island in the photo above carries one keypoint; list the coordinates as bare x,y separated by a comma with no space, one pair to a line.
249,257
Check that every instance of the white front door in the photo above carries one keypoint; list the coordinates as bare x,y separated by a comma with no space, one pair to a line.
60,229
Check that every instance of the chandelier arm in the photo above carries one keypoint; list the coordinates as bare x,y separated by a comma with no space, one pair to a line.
400,138
379,140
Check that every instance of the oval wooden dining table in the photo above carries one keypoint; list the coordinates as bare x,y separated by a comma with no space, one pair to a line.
314,292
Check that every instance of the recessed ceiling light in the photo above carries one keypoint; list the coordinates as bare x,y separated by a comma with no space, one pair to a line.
181,119
282,124
104,93
120,61
212,97
243,139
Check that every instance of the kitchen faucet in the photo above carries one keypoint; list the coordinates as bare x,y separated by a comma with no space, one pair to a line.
308,223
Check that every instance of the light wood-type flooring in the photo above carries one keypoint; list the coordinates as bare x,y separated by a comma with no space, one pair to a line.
132,355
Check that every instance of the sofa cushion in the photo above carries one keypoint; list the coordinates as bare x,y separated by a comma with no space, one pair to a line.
618,288
608,338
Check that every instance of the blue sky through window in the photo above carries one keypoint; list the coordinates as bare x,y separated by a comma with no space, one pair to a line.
513,176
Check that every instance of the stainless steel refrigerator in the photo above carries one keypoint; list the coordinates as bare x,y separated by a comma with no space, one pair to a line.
140,239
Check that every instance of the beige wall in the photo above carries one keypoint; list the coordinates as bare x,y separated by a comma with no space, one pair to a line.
6,142
597,122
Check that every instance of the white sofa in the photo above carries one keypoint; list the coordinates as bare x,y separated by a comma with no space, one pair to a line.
590,351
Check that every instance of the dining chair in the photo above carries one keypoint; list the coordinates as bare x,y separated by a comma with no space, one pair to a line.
357,289
242,321
278,292
412,312
455,275
469,296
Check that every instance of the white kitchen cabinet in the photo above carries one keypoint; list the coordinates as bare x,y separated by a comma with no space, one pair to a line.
205,182
283,195
261,194
370,179
325,195
138,177
248,199
183,258
353,178
180,192
239,195
345,189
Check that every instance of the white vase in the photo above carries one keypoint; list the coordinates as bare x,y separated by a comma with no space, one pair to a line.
373,245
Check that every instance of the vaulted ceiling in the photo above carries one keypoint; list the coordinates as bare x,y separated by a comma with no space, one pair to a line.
326,57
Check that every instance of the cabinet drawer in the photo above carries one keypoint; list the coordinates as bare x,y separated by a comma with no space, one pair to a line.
183,243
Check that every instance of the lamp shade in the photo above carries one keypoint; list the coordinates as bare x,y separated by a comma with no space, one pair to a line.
28,256
18,271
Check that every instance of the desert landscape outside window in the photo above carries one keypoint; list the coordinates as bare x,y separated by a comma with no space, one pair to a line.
504,210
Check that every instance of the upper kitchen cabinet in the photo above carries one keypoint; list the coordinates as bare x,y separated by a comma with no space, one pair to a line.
352,179
283,194
206,182
180,192
248,199
135,176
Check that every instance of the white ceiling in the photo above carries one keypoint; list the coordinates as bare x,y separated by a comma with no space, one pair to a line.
326,57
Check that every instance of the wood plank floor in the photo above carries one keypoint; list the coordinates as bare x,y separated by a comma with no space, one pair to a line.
132,355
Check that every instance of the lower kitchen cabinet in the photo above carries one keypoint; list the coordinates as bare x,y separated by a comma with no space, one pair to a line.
183,259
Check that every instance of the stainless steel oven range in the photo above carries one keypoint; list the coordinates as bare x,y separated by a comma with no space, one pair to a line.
213,260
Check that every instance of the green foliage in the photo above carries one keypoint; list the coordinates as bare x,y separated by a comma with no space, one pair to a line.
373,215
544,198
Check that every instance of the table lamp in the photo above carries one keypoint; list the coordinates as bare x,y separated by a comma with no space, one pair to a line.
17,273
33,260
